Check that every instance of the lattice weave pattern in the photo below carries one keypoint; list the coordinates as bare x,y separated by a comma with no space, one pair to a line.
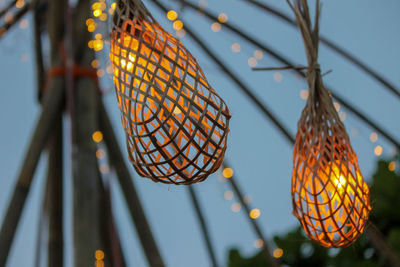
176,125
329,195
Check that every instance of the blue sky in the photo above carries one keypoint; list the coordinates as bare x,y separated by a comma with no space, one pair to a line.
260,156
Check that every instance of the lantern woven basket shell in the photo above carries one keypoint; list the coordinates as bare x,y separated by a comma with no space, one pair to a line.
329,195
176,125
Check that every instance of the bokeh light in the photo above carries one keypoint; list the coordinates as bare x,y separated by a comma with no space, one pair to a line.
227,173
97,136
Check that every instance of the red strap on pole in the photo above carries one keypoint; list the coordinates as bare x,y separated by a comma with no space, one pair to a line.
78,72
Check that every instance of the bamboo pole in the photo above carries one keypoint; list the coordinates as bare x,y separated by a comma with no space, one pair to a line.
7,8
287,62
37,43
39,238
86,177
54,197
17,16
203,225
54,189
51,108
109,228
379,243
142,226
336,48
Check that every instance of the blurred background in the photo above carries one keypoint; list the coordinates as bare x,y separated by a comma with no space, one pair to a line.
260,157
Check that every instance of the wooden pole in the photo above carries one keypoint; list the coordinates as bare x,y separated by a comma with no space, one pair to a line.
54,197
39,238
54,189
17,16
52,106
142,226
203,225
37,43
86,177
9,6
380,244
287,62
110,230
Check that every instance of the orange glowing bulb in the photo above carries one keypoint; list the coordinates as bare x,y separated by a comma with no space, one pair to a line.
329,195
331,202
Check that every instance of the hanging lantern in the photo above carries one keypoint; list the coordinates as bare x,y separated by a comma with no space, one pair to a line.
329,195
176,125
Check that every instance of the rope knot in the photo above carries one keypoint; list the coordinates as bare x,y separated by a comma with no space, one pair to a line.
314,67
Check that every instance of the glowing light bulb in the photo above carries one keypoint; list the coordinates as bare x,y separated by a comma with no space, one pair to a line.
97,136
20,3
97,12
335,197
99,255
131,58
392,166
177,25
222,17
123,63
278,253
227,173
129,66
255,213
339,182
172,15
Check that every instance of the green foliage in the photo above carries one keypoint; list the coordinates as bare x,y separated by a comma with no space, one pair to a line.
394,238
237,260
385,198
299,251
303,252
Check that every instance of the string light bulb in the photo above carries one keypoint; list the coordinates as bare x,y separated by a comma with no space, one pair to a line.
175,123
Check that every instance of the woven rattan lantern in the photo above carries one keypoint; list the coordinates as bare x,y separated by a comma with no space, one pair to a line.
329,195
176,125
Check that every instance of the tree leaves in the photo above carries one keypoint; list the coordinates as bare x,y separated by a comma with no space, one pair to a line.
299,251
